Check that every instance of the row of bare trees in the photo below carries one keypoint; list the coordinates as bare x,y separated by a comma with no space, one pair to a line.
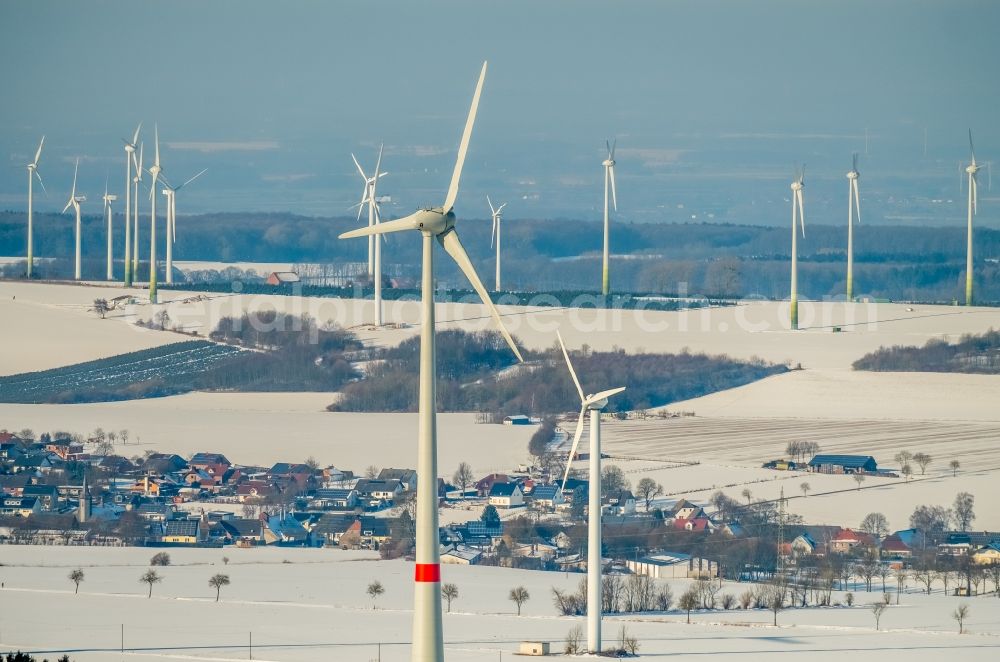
150,578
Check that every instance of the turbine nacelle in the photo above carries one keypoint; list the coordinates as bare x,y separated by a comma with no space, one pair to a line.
973,168
854,174
608,163
797,186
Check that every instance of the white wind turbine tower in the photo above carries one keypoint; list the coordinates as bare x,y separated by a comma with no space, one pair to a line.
434,223
155,172
971,170
108,199
32,173
495,235
368,196
74,201
594,404
609,180
129,158
171,194
136,180
798,217
853,202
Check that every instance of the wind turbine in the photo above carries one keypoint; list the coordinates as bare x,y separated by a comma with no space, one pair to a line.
108,199
32,173
609,180
136,180
971,169
594,404
434,223
374,218
171,194
74,201
495,235
155,172
798,214
853,202
129,158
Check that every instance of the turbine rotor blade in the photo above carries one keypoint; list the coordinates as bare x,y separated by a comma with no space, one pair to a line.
463,148
156,131
857,198
614,194
493,232
802,213
378,165
597,397
972,148
38,153
400,224
41,183
135,137
569,364
76,169
614,144
360,170
453,246
204,170
576,442
490,203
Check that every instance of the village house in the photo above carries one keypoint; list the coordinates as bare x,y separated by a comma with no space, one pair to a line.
299,474
406,477
462,555
214,464
375,492
621,502
182,531
335,499
15,506
893,547
848,540
988,555
334,529
548,497
485,484
47,495
506,495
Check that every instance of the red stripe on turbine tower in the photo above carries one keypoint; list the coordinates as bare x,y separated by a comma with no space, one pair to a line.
427,572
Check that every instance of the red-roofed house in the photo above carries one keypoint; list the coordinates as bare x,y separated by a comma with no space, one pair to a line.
848,539
693,524
894,547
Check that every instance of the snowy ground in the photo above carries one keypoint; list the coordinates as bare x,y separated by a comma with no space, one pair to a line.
316,607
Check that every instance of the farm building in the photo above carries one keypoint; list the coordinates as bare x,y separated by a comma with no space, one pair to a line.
282,278
843,464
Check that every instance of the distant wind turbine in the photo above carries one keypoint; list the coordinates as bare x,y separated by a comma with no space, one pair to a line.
74,202
434,223
798,218
32,173
155,172
495,235
108,199
171,194
129,160
368,196
609,180
594,404
853,202
971,169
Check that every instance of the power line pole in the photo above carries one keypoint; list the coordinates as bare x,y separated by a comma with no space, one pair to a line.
781,532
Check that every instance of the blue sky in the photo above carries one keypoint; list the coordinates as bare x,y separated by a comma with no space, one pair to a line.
712,102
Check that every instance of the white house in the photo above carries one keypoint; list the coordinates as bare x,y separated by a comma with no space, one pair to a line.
506,495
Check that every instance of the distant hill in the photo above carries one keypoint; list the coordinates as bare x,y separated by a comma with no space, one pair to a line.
899,263
972,354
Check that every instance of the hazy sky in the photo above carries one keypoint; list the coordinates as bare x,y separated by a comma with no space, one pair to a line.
712,102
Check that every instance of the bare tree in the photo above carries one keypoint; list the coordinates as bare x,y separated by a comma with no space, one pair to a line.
747,494
463,477
518,596
923,460
689,600
903,457
960,615
877,609
375,589
776,593
805,487
150,577
647,490
76,577
875,524
964,510
160,559
371,471
955,465
101,307
907,471
449,592
859,478
573,639
162,319
217,582
901,577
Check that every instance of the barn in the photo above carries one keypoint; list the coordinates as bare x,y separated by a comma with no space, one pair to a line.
843,464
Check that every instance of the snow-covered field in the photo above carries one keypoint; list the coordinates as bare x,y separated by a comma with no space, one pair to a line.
315,606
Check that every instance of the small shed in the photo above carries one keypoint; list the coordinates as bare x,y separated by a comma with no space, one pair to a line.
537,648
518,419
